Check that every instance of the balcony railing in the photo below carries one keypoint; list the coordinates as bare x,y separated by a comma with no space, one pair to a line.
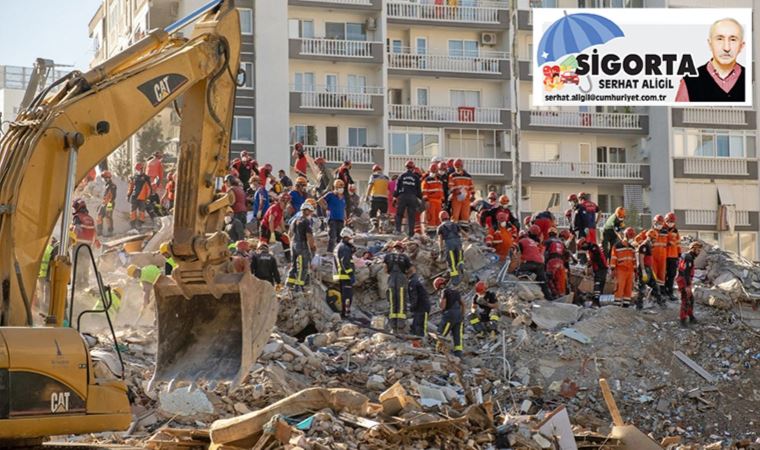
567,169
487,13
329,97
338,154
449,114
578,119
710,217
715,166
473,166
719,116
336,47
446,63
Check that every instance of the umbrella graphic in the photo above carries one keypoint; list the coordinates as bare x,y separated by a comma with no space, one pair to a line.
574,33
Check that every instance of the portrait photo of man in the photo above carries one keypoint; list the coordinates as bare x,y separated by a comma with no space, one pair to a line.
721,79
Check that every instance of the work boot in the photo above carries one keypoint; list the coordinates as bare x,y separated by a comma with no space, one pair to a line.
458,353
693,319
684,324
639,304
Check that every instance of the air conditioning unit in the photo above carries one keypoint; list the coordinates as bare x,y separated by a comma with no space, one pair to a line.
370,24
487,38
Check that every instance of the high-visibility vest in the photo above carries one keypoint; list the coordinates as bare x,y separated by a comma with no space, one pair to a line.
150,274
115,303
44,267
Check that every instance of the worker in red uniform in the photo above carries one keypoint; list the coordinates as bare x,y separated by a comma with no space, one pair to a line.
646,274
155,171
684,280
343,173
660,251
545,221
597,262
572,215
502,237
138,192
623,264
555,254
168,198
239,204
83,228
532,258
301,163
672,254
273,224
502,206
245,170
589,214
461,188
105,210
432,193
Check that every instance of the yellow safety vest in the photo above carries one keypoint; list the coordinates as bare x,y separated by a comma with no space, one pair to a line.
45,261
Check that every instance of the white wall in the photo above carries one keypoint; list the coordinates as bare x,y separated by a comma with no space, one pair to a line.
344,122
10,99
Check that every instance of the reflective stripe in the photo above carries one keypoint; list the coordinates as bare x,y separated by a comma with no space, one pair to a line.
453,267
460,347
424,326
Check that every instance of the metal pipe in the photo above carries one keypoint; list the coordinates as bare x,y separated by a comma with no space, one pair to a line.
190,18
72,142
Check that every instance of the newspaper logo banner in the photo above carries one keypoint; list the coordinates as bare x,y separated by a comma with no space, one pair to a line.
653,57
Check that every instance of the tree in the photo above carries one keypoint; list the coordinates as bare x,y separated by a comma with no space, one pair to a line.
150,139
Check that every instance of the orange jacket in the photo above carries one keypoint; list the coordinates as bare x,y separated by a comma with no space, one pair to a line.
155,170
623,257
461,181
432,188
660,243
674,243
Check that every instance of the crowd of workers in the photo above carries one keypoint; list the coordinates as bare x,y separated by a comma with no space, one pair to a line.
439,201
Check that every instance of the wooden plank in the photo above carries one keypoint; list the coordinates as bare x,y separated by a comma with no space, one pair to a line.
617,419
694,366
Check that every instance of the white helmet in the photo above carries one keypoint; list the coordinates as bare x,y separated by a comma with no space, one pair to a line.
347,232
306,206
436,159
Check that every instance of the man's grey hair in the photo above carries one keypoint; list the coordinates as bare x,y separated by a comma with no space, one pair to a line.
727,19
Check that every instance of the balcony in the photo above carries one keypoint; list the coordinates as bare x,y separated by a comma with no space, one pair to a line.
333,99
474,166
729,118
615,172
338,154
540,120
485,15
464,116
343,4
712,168
709,217
485,65
336,50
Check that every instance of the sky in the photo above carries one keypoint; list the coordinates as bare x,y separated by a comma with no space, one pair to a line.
52,29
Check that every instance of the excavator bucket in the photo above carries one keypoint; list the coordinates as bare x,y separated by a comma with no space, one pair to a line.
205,338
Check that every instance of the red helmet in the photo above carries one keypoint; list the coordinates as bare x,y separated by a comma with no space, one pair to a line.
106,174
458,163
630,233
244,153
243,246
376,167
236,163
502,217
658,219
320,160
439,283
583,195
450,163
443,215
139,167
480,287
504,200
568,213
268,167
442,166
534,230
170,177
565,234
433,167
492,195
299,146
79,205
572,198
409,164
526,221
670,217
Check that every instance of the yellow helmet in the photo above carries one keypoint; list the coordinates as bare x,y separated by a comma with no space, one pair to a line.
118,291
132,270
164,249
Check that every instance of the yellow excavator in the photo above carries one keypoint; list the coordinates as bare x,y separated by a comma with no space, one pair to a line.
212,322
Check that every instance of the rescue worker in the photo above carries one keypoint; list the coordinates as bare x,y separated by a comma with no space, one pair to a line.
84,232
660,251
302,237
646,273
301,163
116,295
419,303
432,193
377,196
684,280
613,229
354,199
623,264
284,179
299,195
443,175
245,170
105,210
138,193
239,204
273,224
397,266
482,317
155,171
461,188
673,253
325,178
260,198
170,264
51,251
343,173
233,227
335,203
597,262
450,246
556,255
148,276
264,265
545,221
343,269
452,306
573,219
502,237
590,215
168,198
532,258
408,195
502,206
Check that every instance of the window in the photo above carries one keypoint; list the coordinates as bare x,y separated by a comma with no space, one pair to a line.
421,46
305,134
246,21
304,82
335,30
709,237
713,143
307,28
464,143
610,154
242,129
246,75
331,136
355,32
331,83
415,141
357,83
464,98
357,137
397,46
608,202
462,48
543,151
422,96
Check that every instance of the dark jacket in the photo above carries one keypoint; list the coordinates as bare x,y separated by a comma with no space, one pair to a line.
702,88
264,267
408,184
418,295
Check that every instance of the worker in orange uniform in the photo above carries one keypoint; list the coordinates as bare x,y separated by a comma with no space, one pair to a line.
502,237
673,247
168,198
138,193
623,264
460,188
432,193
660,250
105,210
155,171
555,254
83,229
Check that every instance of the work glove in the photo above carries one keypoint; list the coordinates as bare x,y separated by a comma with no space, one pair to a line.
258,215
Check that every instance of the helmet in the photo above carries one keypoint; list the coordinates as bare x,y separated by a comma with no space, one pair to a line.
443,215
243,246
658,219
139,167
118,291
489,240
312,202
442,166
670,217
629,233
522,234
243,153
620,212
164,248
229,179
105,174
492,195
480,287
572,198
568,213
695,245
347,162
652,233
299,146
450,163
584,195
79,205
262,246
527,220
565,234
338,184
319,161
504,200
346,232
132,270
502,217
377,167
433,167
582,243
170,177
438,283
236,163
306,206
553,231
458,163
409,164
301,180
285,197
534,230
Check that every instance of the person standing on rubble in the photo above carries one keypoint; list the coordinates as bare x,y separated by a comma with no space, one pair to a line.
461,187
165,251
646,274
450,246
590,215
660,252
612,231
623,264
408,195
598,265
301,162
572,215
419,303
397,266
532,258
273,224
138,192
432,193
491,216
167,200
264,265
685,282
105,210
302,237
343,173
377,196
502,236
443,175
335,203
239,204
148,276
672,254
245,170
453,308
555,254
343,269
482,318
156,171
299,195
325,178
259,199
